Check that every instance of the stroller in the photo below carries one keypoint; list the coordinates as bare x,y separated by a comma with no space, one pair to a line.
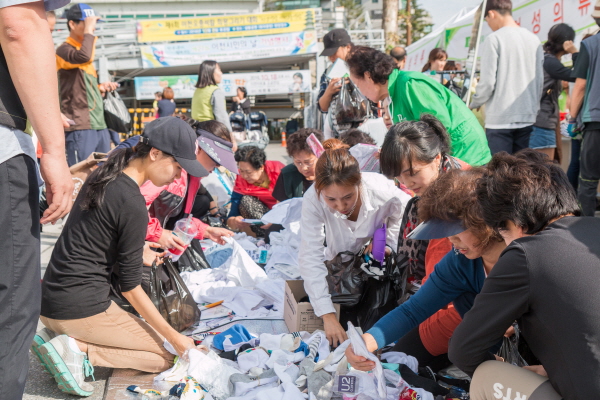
255,132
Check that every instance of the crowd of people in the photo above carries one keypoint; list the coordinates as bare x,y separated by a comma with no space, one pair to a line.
488,232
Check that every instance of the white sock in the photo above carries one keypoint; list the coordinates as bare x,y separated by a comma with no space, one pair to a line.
73,346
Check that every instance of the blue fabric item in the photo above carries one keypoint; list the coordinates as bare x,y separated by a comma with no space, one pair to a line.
302,348
542,138
236,198
237,334
455,279
218,257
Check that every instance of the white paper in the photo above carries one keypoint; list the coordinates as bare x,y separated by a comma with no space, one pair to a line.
338,69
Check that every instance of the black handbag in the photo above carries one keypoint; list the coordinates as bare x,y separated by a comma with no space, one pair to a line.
345,278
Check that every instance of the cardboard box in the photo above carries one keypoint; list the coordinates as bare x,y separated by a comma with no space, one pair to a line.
300,316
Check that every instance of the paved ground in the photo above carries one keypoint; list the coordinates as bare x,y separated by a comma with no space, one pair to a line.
40,385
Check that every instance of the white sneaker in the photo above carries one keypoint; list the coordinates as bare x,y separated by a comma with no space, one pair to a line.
41,337
67,366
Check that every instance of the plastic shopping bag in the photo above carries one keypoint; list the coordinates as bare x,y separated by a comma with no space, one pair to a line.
242,269
345,278
377,375
193,258
351,106
116,113
171,296
510,349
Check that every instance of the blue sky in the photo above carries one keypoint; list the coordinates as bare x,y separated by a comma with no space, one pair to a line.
441,10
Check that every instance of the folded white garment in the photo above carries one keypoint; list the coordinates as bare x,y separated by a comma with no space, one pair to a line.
270,341
252,358
396,357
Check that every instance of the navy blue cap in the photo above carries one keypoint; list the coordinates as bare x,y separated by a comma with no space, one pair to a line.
436,229
79,12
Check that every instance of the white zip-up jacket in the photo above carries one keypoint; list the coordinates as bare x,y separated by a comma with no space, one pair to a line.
382,202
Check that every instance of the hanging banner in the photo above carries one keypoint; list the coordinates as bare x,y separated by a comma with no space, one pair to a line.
538,16
256,83
225,26
222,50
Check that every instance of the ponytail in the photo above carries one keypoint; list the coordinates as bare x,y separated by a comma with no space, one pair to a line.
411,141
336,166
426,67
106,173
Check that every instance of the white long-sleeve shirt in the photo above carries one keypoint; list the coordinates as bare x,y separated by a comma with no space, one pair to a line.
382,202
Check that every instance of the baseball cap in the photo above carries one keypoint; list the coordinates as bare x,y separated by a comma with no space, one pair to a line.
334,39
596,12
436,229
79,12
221,151
176,137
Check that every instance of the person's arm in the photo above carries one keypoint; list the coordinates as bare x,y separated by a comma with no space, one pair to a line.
220,108
395,216
331,90
487,77
577,97
557,70
27,45
443,286
503,299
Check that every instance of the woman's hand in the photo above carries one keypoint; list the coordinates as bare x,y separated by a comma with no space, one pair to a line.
170,241
237,223
181,343
538,369
150,256
569,47
358,362
215,234
334,87
333,330
510,331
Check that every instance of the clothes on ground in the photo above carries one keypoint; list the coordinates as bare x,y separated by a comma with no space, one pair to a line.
413,94
529,284
80,98
166,107
234,335
291,183
381,202
511,58
76,283
455,279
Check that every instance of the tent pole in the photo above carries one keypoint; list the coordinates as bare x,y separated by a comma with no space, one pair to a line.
474,66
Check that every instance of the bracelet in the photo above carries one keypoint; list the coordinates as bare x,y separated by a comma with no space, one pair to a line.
210,209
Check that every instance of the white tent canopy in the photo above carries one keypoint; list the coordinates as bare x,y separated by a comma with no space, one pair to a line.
538,16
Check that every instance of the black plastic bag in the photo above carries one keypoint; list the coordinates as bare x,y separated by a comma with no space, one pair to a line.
193,258
171,296
509,350
351,105
346,279
380,295
116,114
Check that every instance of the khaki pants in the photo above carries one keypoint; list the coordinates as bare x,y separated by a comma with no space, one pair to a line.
497,380
117,339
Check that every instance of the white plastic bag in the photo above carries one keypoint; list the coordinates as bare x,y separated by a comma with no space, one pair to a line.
211,372
241,268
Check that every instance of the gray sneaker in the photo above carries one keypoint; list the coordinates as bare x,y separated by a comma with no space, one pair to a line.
67,367
41,337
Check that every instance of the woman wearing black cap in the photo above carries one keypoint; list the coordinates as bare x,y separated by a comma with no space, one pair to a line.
106,228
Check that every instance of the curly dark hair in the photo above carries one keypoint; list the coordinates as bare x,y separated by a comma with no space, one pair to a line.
253,155
527,189
452,197
355,136
413,141
297,141
379,65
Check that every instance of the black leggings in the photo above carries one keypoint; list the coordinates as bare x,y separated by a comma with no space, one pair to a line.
412,345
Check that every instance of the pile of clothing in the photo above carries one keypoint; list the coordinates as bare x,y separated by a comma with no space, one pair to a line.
238,365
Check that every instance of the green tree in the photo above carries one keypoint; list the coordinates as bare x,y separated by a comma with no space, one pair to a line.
352,9
415,22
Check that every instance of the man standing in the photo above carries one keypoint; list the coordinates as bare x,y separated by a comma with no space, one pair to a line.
586,104
399,54
80,93
511,80
27,91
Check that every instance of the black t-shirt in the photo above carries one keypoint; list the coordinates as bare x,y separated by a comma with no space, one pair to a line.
548,282
279,189
93,243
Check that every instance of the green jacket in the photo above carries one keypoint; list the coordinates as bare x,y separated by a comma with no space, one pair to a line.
414,93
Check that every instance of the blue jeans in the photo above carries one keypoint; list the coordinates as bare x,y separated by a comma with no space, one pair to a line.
80,144
508,140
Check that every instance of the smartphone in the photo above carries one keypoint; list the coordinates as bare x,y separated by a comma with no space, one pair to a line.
253,222
71,122
100,156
